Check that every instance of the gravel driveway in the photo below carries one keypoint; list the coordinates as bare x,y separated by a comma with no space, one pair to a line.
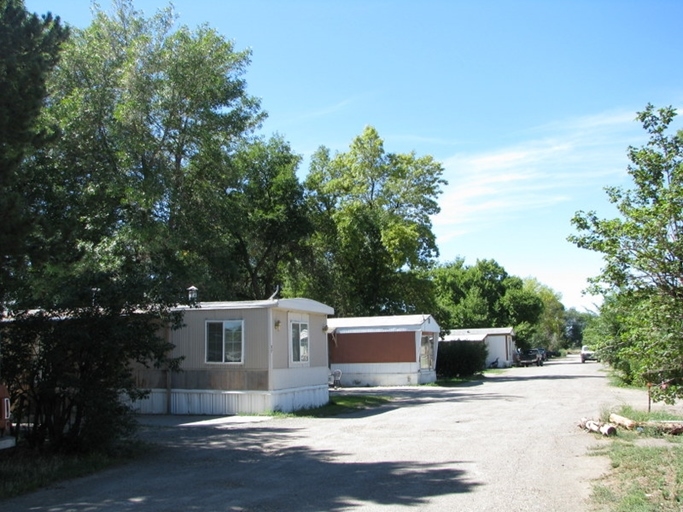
509,443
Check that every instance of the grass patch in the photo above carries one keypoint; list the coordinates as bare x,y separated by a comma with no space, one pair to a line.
23,470
461,381
637,415
645,477
341,404
495,371
617,379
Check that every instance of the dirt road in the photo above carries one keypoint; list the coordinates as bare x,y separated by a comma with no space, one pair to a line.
509,443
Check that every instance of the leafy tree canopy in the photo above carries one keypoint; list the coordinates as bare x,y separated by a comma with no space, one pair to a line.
149,122
265,216
576,324
29,50
373,234
643,251
550,330
485,295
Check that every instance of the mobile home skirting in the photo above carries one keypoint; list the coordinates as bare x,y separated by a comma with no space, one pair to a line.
219,402
383,374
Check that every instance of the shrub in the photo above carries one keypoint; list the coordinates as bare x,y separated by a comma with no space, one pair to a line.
460,358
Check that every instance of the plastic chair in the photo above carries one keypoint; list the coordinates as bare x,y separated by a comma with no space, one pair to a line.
335,378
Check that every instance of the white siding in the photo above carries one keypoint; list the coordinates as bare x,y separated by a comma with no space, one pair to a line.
383,374
213,402
499,349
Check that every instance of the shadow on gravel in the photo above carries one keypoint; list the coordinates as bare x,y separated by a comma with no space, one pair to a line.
417,395
473,391
413,402
511,377
263,468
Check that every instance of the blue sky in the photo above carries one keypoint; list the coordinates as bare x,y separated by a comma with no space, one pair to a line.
529,105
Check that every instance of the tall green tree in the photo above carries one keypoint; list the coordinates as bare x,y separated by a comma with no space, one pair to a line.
373,234
265,216
550,329
643,254
576,323
609,333
29,50
468,296
485,295
239,238
150,118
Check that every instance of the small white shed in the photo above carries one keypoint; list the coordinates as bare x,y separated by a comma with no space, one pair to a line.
499,342
384,350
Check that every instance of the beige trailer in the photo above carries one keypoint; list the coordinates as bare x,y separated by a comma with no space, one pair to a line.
244,357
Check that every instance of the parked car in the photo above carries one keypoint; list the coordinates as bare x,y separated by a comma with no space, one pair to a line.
529,357
587,354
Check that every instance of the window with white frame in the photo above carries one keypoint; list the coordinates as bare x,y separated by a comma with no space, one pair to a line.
224,341
299,342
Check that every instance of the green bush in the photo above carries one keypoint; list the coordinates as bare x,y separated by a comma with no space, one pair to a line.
460,358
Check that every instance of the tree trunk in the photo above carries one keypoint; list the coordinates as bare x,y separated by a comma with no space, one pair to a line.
606,429
622,421
669,427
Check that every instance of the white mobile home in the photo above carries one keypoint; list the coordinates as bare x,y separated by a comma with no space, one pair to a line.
384,350
499,342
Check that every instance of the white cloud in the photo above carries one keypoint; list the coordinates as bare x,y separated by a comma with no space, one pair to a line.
556,164
326,110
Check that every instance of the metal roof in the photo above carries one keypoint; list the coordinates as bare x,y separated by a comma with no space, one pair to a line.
294,304
477,334
383,323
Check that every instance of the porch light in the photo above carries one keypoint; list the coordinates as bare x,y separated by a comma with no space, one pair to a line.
192,294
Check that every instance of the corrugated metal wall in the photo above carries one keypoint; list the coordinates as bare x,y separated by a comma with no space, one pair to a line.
379,374
232,402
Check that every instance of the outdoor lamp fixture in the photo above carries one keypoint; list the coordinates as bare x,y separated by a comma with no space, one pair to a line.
277,325
192,294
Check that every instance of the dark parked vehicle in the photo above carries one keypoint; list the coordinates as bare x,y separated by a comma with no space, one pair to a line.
529,357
